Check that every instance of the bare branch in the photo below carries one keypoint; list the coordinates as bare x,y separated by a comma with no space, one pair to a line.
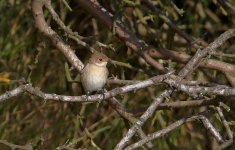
226,68
200,90
211,129
43,27
190,66
14,146
93,98
225,123
225,144
175,125
73,35
125,114
208,50
194,90
148,113
191,103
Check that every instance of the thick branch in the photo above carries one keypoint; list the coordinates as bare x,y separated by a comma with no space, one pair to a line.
200,90
93,98
43,27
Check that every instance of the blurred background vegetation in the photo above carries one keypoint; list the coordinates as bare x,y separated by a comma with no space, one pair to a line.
27,56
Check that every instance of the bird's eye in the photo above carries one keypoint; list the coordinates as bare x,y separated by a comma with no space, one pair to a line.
100,59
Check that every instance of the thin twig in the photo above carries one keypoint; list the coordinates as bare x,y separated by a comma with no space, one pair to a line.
14,146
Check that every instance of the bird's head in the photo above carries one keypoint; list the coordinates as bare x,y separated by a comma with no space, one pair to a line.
99,59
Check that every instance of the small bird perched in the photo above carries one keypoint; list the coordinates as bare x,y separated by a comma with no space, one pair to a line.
95,73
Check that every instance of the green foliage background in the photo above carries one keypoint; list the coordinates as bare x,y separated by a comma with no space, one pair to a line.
27,56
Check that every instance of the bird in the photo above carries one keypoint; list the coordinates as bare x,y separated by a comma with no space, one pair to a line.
95,73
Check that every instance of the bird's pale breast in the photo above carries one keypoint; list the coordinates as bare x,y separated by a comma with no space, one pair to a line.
94,77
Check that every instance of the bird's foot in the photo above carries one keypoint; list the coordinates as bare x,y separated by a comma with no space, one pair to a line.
87,95
102,91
